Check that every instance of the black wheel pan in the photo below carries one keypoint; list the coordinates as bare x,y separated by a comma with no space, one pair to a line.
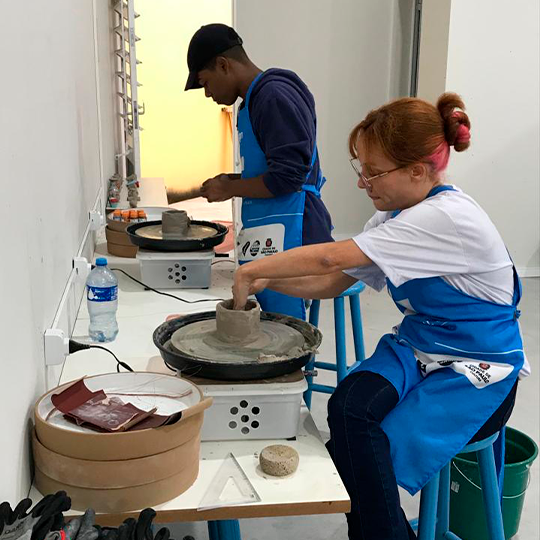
191,244
240,371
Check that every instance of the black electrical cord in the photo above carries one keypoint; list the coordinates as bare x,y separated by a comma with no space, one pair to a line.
224,261
75,346
166,294
171,368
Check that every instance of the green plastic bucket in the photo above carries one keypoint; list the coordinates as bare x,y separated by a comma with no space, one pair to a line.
467,517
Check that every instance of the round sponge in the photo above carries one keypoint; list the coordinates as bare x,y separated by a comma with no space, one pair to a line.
279,460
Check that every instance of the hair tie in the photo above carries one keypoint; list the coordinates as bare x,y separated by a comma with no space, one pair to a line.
463,133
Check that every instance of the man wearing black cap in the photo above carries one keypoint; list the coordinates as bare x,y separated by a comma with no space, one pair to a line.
281,175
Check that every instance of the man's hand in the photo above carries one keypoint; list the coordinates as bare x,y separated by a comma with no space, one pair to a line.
217,189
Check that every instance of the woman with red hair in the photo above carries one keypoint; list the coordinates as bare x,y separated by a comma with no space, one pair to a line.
445,376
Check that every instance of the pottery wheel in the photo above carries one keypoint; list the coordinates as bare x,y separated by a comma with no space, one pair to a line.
275,341
154,232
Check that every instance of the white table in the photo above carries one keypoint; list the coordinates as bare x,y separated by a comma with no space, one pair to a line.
315,488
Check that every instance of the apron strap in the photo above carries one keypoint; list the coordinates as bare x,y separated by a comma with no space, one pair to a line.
439,189
433,191
315,189
517,288
251,87
321,180
312,189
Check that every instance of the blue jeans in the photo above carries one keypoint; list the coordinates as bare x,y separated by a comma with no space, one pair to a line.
361,452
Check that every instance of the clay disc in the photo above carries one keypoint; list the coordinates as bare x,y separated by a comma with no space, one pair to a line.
154,232
279,460
275,342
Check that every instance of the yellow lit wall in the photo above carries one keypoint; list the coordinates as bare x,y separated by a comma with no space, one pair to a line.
186,137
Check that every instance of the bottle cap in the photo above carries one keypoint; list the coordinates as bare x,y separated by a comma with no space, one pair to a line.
101,261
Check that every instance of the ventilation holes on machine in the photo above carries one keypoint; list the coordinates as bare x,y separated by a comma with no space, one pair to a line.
245,430
255,424
234,410
233,424
255,410
184,268
244,404
184,278
245,418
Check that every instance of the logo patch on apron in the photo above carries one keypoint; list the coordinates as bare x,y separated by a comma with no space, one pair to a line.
257,242
480,374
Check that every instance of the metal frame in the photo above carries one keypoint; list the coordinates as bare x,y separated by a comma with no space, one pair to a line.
128,160
413,91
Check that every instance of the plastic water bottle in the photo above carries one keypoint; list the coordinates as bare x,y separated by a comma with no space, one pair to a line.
102,297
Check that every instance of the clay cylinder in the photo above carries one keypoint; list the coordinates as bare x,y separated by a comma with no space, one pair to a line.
175,223
238,326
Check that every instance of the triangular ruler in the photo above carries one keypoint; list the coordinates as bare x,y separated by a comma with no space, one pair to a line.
229,487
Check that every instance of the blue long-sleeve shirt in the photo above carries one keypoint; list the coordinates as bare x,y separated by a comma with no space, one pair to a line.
282,114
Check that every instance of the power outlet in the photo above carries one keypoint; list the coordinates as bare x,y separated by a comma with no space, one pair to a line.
96,220
82,268
56,346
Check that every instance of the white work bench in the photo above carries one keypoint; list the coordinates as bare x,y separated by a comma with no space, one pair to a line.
315,488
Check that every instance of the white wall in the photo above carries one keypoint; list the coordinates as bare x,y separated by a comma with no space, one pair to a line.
493,62
433,55
349,52
50,173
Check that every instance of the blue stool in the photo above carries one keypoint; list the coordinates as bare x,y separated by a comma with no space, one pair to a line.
341,352
227,529
434,520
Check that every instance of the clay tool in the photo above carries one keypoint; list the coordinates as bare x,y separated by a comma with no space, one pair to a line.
186,195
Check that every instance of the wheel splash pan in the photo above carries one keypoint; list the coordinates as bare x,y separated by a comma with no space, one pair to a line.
234,371
189,244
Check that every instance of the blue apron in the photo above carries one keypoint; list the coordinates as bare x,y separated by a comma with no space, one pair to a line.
270,225
453,360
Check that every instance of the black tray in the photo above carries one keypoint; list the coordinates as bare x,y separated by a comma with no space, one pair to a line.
232,371
192,244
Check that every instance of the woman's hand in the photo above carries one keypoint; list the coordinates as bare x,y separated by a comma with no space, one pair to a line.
244,286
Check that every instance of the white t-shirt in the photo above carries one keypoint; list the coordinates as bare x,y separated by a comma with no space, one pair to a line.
447,235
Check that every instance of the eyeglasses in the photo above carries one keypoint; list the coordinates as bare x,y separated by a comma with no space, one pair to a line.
364,180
